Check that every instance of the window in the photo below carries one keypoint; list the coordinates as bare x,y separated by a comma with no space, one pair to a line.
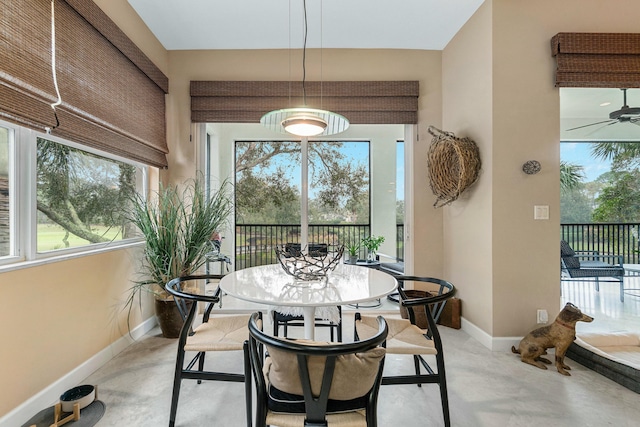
73,200
5,201
80,197
271,195
339,182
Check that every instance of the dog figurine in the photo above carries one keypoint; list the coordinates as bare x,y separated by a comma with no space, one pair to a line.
560,334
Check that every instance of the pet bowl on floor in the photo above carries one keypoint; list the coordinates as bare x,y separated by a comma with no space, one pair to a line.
83,395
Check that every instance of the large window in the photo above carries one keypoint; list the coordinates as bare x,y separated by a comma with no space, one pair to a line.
273,193
80,197
74,197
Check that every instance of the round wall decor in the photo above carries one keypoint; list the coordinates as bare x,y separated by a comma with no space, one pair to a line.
454,164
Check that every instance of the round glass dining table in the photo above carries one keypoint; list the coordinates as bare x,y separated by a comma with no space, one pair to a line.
271,285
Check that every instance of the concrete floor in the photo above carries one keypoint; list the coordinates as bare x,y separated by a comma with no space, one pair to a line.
485,388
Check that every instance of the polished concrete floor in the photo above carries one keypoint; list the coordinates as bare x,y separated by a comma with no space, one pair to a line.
485,388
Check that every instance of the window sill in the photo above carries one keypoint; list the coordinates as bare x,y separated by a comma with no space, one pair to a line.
43,260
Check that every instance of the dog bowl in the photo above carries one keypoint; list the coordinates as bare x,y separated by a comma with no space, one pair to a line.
83,395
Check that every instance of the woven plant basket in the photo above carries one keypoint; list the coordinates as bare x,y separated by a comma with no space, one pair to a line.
454,164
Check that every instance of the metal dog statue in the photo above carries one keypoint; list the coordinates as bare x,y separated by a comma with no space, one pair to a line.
560,334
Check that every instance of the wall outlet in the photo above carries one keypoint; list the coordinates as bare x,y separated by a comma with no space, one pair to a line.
543,317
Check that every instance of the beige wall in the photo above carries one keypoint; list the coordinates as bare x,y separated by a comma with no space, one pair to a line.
467,111
56,316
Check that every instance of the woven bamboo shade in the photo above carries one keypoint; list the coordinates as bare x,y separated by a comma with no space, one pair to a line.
454,165
597,59
369,102
112,94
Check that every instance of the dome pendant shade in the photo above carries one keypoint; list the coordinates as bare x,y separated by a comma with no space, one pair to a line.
305,122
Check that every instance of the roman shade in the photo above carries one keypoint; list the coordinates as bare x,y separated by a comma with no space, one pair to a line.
112,94
365,102
597,59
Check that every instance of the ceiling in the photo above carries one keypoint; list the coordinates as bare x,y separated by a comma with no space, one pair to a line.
357,24
264,24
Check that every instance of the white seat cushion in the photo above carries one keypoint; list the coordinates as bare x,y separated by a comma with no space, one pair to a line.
403,338
223,333
348,419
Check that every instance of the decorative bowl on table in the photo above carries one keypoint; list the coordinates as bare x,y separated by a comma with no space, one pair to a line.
313,264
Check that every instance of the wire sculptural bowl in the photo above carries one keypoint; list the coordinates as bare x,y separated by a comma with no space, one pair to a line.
308,265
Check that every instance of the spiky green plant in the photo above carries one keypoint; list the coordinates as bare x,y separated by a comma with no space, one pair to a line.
176,226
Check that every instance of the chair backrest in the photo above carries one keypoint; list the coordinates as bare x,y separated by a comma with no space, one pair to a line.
314,377
568,255
313,249
429,306
187,302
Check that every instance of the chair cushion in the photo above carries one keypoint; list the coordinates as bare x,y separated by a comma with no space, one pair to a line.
353,377
403,337
349,419
568,255
223,333
565,249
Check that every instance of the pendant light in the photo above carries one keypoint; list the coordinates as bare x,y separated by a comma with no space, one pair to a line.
304,121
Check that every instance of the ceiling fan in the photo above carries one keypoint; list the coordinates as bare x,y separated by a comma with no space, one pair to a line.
623,115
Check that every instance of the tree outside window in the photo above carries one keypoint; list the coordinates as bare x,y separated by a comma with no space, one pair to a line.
80,197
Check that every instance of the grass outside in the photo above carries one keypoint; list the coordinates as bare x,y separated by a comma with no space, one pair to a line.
51,237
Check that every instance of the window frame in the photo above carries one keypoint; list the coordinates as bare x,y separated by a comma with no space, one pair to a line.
23,201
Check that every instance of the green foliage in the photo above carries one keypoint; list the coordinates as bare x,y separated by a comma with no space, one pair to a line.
619,201
82,192
616,150
372,243
576,205
262,198
571,175
176,225
353,248
266,193
619,196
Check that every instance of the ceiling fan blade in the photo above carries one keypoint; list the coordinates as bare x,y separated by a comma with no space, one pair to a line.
609,122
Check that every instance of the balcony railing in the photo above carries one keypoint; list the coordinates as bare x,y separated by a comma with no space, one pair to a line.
607,239
255,243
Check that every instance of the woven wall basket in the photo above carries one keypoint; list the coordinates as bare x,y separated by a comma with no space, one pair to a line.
454,164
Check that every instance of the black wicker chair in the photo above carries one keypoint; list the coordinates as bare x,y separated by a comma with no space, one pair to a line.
219,333
315,384
408,337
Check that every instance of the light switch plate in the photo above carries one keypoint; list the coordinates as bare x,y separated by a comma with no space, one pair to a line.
541,212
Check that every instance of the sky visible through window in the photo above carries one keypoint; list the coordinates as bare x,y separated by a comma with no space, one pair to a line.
579,153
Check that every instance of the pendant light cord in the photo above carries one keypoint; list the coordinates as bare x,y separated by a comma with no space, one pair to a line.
304,56
53,66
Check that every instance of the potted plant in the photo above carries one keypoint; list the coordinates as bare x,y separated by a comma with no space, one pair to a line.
353,249
177,225
372,243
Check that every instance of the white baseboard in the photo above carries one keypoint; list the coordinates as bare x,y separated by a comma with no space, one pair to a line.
51,394
492,343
